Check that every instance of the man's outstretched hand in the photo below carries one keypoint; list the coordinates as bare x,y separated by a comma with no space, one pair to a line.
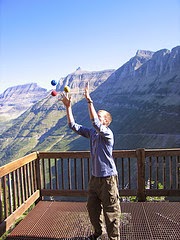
86,92
66,99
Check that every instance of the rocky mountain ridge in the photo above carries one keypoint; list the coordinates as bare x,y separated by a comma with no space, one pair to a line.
17,99
143,97
78,79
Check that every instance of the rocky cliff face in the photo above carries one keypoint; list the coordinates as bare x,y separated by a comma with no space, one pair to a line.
78,79
142,69
143,97
134,63
15,100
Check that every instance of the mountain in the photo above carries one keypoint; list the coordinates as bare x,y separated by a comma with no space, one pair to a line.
15,100
78,79
25,131
147,110
143,97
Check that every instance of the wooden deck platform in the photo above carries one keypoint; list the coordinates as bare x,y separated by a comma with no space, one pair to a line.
69,220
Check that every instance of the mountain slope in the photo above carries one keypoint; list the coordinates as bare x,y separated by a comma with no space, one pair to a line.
34,124
15,100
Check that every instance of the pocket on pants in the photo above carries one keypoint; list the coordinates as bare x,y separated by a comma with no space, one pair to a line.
110,191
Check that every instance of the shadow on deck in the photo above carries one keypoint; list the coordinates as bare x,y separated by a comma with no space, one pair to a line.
69,220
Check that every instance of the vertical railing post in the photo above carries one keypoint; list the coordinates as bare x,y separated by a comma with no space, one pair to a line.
141,175
1,202
38,174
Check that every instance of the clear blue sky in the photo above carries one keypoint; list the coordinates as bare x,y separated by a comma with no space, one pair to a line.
41,40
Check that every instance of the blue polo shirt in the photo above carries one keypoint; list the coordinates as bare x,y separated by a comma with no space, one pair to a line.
101,147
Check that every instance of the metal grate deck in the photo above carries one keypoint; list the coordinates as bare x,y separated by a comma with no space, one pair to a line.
69,220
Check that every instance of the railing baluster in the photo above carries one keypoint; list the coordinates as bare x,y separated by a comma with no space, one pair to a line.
122,167
82,172
14,193
75,174
31,177
141,174
34,175
170,172
56,174
89,169
69,174
129,173
28,181
62,173
5,200
18,188
25,181
157,172
49,171
150,172
43,174
177,172
164,172
22,186
9,191
1,204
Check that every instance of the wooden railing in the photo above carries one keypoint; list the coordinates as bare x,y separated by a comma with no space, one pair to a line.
18,189
142,173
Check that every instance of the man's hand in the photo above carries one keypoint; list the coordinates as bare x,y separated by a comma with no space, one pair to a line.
86,92
66,99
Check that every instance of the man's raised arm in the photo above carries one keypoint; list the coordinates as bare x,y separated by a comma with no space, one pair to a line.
67,103
92,111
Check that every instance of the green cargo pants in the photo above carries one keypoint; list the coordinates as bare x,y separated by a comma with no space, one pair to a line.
103,199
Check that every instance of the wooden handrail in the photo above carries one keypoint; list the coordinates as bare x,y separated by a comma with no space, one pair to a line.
12,166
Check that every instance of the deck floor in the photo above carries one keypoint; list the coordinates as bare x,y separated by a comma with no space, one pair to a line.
69,220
